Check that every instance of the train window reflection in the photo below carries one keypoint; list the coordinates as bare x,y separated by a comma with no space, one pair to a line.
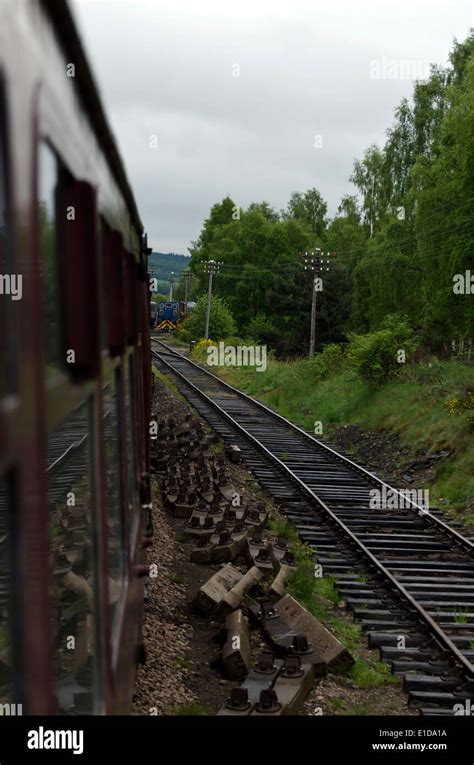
73,563
11,285
6,673
50,263
115,537
130,441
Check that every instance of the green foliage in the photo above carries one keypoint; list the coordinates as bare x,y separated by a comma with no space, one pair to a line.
399,239
262,278
375,356
461,405
310,209
283,527
159,297
369,674
221,322
329,361
182,662
320,596
263,329
416,194
411,406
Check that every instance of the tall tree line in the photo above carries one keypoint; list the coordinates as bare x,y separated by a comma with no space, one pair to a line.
400,238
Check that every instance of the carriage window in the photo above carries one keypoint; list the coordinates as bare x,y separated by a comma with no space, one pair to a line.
5,672
103,284
50,264
11,283
8,649
73,560
130,441
115,545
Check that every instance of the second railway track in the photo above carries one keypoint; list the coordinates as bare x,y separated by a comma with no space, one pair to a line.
407,575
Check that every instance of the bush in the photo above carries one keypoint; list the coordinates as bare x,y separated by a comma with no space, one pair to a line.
330,360
375,356
221,322
262,329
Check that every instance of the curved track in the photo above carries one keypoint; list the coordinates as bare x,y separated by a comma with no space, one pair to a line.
407,574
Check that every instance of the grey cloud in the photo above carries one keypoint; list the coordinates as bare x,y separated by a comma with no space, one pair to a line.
165,69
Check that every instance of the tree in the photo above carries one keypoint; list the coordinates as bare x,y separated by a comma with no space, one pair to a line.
265,209
369,178
399,158
221,323
308,208
348,208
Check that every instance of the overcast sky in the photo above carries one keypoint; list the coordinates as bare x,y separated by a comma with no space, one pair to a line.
251,98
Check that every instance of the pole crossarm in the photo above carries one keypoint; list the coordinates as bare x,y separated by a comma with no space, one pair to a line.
316,263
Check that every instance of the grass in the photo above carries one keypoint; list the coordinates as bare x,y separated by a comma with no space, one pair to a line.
183,663
411,407
283,527
176,578
366,674
320,597
166,381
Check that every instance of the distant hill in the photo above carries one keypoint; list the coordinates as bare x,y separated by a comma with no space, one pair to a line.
160,264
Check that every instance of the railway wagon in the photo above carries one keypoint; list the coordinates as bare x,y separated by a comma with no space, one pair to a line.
186,308
153,314
74,381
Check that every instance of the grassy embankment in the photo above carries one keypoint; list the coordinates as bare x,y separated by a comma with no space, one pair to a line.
411,407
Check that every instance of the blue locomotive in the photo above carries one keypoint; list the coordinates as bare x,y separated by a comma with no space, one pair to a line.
168,316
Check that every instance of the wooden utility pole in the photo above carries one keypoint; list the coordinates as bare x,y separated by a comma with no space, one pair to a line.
211,267
316,265
312,337
171,281
186,278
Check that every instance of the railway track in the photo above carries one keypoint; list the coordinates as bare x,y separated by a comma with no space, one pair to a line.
67,449
406,574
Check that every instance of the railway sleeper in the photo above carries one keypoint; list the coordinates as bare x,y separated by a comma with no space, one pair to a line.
417,681
402,550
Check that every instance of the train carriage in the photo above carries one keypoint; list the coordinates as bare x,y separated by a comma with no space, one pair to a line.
153,314
74,380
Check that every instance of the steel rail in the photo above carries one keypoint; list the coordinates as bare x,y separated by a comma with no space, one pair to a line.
438,634
459,538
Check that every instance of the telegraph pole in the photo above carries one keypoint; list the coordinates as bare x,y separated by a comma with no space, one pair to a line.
186,276
316,265
171,281
211,267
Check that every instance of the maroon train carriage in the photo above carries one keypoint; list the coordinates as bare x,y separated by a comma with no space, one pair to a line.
74,381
